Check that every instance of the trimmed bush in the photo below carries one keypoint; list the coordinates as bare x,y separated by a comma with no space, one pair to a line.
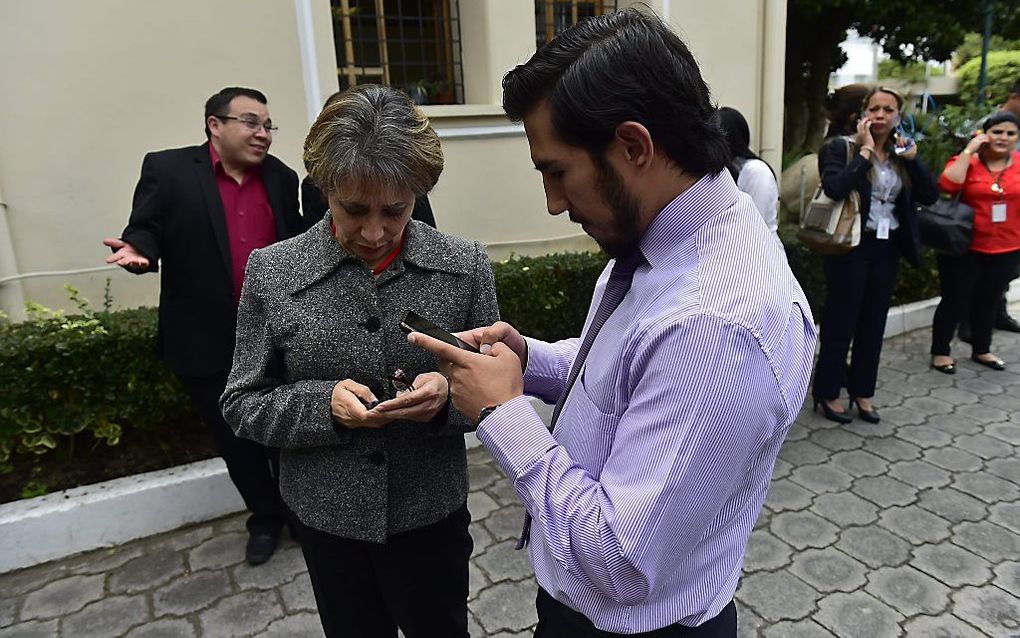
1003,70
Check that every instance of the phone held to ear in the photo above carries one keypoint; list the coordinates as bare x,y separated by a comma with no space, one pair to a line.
909,142
413,322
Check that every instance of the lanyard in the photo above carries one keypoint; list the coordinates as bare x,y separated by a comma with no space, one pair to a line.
997,186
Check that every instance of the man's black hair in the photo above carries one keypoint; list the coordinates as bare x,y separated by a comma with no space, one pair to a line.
623,66
219,103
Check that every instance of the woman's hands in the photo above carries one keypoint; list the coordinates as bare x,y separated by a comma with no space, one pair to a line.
975,143
864,137
347,403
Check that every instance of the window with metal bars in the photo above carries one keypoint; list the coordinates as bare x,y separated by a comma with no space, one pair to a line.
412,45
553,17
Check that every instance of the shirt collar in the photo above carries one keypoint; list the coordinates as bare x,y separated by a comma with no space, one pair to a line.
217,163
687,214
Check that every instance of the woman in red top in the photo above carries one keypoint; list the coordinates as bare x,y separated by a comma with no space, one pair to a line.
987,174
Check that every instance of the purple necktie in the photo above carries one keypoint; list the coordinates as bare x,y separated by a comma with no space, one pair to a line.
616,289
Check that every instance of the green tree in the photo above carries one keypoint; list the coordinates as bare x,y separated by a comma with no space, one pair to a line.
971,47
911,71
906,30
1003,71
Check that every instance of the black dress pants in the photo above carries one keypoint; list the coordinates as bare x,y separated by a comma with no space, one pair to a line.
253,468
417,580
556,620
971,283
859,289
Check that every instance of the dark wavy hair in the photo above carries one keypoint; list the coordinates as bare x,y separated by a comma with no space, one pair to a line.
998,118
623,66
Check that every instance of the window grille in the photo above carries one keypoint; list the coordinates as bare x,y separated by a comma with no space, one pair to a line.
413,45
553,17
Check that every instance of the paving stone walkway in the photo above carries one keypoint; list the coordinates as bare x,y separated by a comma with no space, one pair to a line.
906,528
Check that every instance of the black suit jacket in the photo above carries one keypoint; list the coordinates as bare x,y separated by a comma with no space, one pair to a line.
839,178
177,222
314,207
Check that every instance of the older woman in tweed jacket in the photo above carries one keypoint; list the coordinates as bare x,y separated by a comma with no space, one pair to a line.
380,491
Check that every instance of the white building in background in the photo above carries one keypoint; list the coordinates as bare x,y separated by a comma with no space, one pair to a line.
862,57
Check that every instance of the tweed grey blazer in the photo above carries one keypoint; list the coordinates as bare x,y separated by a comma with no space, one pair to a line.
311,315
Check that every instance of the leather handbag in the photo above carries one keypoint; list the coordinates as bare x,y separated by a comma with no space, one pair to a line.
832,227
947,225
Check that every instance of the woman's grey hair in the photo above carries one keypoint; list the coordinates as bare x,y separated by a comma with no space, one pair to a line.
373,136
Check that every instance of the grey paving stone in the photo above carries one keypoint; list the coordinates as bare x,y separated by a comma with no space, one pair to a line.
107,617
503,492
232,523
481,537
928,406
8,607
829,570
241,614
1007,515
982,414
474,629
62,597
104,560
860,463
956,396
920,474
952,505
163,628
954,424
901,416
915,524
483,475
892,449
988,540
749,624
885,491
837,439
803,529
505,523
1006,401
187,539
297,594
803,453
285,564
506,606
845,509
477,580
785,495
781,469
481,505
302,625
191,592
32,578
33,629
984,446
858,615
1007,576
952,565
874,546
908,591
218,552
942,626
923,436
146,572
988,488
992,610
766,552
977,386
821,478
1008,432
777,596
1008,469
799,629
502,562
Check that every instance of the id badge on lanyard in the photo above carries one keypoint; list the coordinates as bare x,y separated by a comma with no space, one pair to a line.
882,232
998,212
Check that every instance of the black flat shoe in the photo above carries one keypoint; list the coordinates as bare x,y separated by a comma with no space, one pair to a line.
945,368
832,415
871,416
261,546
994,364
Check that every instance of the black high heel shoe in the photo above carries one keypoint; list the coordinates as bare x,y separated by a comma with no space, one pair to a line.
994,364
832,415
871,416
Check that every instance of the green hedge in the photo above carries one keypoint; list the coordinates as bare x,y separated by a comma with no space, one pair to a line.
1003,70
96,372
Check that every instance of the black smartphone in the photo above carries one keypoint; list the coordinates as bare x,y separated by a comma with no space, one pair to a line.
413,322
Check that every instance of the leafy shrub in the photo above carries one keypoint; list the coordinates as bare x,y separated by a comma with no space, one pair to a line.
1003,70
944,133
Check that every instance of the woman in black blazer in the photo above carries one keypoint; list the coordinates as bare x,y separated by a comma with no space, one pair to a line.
889,178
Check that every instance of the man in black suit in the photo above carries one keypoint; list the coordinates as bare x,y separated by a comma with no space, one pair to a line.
198,213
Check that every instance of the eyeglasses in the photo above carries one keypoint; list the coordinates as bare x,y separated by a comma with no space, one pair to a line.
251,123
400,382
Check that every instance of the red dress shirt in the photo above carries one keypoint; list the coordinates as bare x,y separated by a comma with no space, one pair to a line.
249,216
989,236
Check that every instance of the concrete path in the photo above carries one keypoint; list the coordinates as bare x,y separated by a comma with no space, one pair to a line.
910,527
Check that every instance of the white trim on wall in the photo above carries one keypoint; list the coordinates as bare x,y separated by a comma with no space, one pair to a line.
309,64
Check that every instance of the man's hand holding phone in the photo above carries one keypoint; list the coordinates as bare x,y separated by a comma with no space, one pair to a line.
484,337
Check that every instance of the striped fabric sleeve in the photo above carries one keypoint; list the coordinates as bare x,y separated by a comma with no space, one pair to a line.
548,367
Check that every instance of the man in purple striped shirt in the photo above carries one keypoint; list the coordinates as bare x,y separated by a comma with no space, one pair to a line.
643,496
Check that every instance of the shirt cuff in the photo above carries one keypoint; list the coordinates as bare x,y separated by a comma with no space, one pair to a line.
542,376
515,436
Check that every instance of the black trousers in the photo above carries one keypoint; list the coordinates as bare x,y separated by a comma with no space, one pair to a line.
859,289
253,468
556,620
416,580
972,284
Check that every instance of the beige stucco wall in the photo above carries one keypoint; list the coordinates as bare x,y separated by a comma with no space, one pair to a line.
87,88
